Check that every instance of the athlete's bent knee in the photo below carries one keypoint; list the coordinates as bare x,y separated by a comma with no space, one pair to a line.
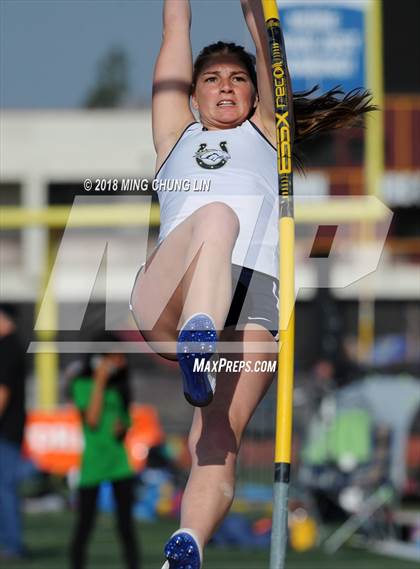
217,216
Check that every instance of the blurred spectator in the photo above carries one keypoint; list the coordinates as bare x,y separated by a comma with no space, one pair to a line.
334,366
394,400
12,420
100,391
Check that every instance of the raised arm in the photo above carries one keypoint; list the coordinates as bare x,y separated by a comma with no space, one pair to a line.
264,114
93,412
172,78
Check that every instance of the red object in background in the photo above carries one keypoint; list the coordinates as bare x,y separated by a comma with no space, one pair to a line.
412,485
54,441
145,432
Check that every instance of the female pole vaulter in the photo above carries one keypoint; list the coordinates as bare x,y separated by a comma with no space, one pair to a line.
201,286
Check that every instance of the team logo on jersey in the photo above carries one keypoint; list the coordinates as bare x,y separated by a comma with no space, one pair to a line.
212,158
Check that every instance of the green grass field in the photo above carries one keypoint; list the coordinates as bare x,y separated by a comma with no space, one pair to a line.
47,537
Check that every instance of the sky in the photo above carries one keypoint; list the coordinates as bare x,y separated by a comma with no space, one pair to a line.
49,49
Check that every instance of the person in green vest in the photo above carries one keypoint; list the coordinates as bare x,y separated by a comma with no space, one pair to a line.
100,391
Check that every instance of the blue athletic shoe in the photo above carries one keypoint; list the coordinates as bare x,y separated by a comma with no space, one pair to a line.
196,345
182,551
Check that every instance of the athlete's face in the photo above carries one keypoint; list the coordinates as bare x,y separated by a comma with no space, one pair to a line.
224,94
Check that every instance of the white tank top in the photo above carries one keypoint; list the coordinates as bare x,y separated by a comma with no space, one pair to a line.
234,166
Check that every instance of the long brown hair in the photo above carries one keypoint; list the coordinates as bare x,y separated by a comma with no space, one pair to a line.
313,115
330,111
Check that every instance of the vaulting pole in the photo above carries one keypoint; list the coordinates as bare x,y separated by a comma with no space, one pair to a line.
283,102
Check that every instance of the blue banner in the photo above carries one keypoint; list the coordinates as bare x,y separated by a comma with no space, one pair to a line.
325,43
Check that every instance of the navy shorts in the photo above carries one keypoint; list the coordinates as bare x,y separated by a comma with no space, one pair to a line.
255,300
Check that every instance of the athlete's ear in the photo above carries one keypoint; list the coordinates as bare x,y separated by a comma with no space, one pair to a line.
256,101
194,101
